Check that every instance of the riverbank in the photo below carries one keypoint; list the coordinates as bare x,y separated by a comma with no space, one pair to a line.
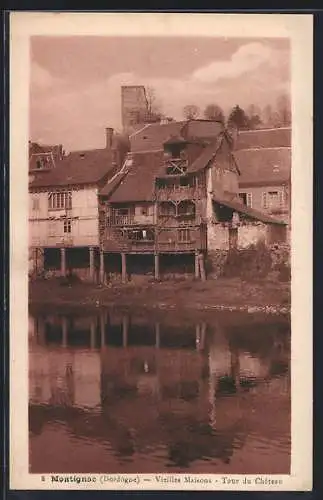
224,294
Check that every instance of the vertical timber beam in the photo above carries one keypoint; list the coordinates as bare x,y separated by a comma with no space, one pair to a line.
101,278
63,262
64,331
125,324
157,274
102,329
197,266
91,251
201,266
157,332
123,267
92,333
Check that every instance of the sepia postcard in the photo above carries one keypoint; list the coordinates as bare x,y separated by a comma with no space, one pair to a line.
161,170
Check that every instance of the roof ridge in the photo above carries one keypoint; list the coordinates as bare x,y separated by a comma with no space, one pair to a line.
264,129
262,148
140,130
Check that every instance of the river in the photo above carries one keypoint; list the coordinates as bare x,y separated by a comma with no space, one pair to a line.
114,392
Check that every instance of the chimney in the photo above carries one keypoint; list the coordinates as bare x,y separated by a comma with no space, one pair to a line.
108,137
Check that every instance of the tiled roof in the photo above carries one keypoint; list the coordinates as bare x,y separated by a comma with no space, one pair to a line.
202,129
249,212
206,156
264,138
138,184
152,137
264,166
79,167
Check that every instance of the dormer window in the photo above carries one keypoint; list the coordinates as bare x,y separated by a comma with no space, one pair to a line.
178,168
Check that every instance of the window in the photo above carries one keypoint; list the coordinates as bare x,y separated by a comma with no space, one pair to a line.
184,235
167,209
273,199
144,211
59,200
67,226
246,199
35,203
265,200
122,211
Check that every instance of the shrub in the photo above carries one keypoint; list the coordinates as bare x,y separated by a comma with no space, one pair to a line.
253,262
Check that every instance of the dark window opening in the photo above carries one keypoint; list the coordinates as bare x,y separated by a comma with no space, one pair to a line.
140,235
67,226
223,213
186,208
167,209
243,198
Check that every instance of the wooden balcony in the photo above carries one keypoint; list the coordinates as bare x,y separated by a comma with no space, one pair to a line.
176,239
178,193
120,220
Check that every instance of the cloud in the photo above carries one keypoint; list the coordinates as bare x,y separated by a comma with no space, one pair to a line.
41,78
247,58
76,113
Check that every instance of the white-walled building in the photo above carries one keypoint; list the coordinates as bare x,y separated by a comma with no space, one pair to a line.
64,211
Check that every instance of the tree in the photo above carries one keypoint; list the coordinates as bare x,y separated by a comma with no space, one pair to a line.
284,110
267,115
238,118
191,111
253,110
253,114
214,112
153,106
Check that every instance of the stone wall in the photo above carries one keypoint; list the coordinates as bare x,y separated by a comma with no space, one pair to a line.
256,261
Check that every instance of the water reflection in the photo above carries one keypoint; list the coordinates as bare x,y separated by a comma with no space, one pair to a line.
119,393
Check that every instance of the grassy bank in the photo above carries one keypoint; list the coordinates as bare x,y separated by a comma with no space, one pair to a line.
222,294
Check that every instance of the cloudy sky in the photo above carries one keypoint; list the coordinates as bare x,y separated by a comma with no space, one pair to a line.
75,81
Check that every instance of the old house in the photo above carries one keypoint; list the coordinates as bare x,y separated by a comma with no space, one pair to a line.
63,212
42,158
264,158
171,205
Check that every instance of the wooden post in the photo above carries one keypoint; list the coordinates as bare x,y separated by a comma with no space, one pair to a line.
123,267
35,258
157,333
198,336
91,250
212,398
197,269
125,331
63,261
101,278
102,329
201,266
157,266
64,331
92,334
203,335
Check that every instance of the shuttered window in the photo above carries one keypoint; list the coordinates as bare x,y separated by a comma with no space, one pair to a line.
265,200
